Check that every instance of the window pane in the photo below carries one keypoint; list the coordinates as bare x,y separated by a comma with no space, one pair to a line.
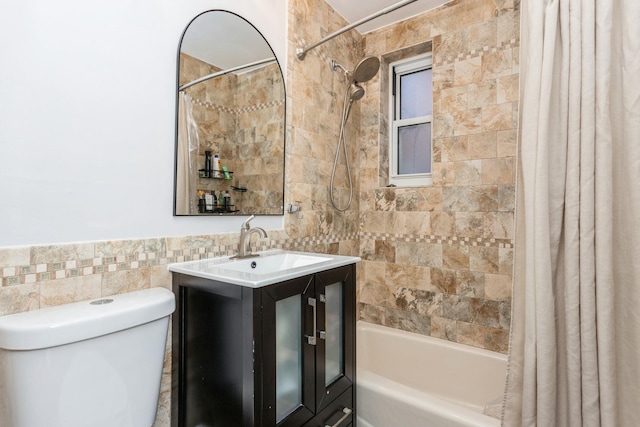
415,94
414,149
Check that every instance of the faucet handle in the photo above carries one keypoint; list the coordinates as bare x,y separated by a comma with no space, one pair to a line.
246,222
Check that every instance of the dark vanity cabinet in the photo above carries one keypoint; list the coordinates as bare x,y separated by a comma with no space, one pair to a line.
280,355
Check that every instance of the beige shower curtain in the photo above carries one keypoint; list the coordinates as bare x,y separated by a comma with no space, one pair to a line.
186,158
575,341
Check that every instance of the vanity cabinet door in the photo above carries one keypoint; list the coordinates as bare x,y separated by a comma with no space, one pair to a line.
288,349
335,373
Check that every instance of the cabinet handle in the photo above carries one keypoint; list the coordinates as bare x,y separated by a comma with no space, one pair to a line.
346,412
311,339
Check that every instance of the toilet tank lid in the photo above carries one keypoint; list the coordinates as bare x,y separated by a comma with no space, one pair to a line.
64,324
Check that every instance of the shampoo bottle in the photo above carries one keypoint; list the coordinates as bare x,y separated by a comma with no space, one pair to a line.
209,202
216,166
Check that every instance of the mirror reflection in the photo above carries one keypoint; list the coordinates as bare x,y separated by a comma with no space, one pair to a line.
231,120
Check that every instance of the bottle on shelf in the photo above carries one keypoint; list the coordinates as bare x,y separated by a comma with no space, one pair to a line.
209,202
215,201
226,205
207,164
202,207
216,166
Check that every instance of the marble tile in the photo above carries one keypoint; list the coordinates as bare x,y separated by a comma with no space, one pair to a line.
59,253
469,224
470,284
508,89
505,259
497,287
470,334
496,340
409,276
507,23
443,77
455,257
412,223
499,225
506,198
470,198
424,199
483,93
16,299
484,259
482,145
497,64
430,304
455,148
69,290
119,282
468,71
506,143
443,280
497,117
426,255
14,256
470,172
384,251
445,329
443,223
372,313
499,170
468,122
453,99
410,321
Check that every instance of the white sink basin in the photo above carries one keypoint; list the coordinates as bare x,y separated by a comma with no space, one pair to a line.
268,268
272,263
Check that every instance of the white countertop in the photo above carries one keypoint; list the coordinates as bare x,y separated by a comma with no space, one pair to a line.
230,270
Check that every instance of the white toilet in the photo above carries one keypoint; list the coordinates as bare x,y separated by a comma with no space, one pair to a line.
88,364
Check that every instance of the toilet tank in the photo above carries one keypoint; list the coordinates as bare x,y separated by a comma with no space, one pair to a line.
88,364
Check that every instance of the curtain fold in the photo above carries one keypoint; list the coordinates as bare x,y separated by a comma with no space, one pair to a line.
575,337
186,158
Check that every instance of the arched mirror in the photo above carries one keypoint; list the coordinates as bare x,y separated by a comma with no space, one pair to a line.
231,120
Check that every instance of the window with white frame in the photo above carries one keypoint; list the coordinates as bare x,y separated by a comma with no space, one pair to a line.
411,115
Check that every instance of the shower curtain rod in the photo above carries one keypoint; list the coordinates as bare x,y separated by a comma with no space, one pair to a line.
227,71
301,52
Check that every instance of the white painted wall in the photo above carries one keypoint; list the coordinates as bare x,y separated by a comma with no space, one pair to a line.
87,117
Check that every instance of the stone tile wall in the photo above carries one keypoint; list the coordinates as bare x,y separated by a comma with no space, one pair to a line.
258,164
315,100
438,259
225,109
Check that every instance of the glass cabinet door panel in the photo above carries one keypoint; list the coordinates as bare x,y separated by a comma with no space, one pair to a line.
288,356
334,350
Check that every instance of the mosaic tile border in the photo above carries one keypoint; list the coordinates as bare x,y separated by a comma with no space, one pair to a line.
42,272
241,110
432,238
475,53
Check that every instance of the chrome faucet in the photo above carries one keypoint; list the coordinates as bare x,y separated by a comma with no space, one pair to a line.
244,250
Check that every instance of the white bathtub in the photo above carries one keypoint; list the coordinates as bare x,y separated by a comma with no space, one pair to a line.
410,380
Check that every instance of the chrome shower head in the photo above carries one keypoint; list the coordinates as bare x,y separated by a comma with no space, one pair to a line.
356,92
366,69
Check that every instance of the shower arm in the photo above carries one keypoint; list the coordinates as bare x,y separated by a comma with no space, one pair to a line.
301,52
